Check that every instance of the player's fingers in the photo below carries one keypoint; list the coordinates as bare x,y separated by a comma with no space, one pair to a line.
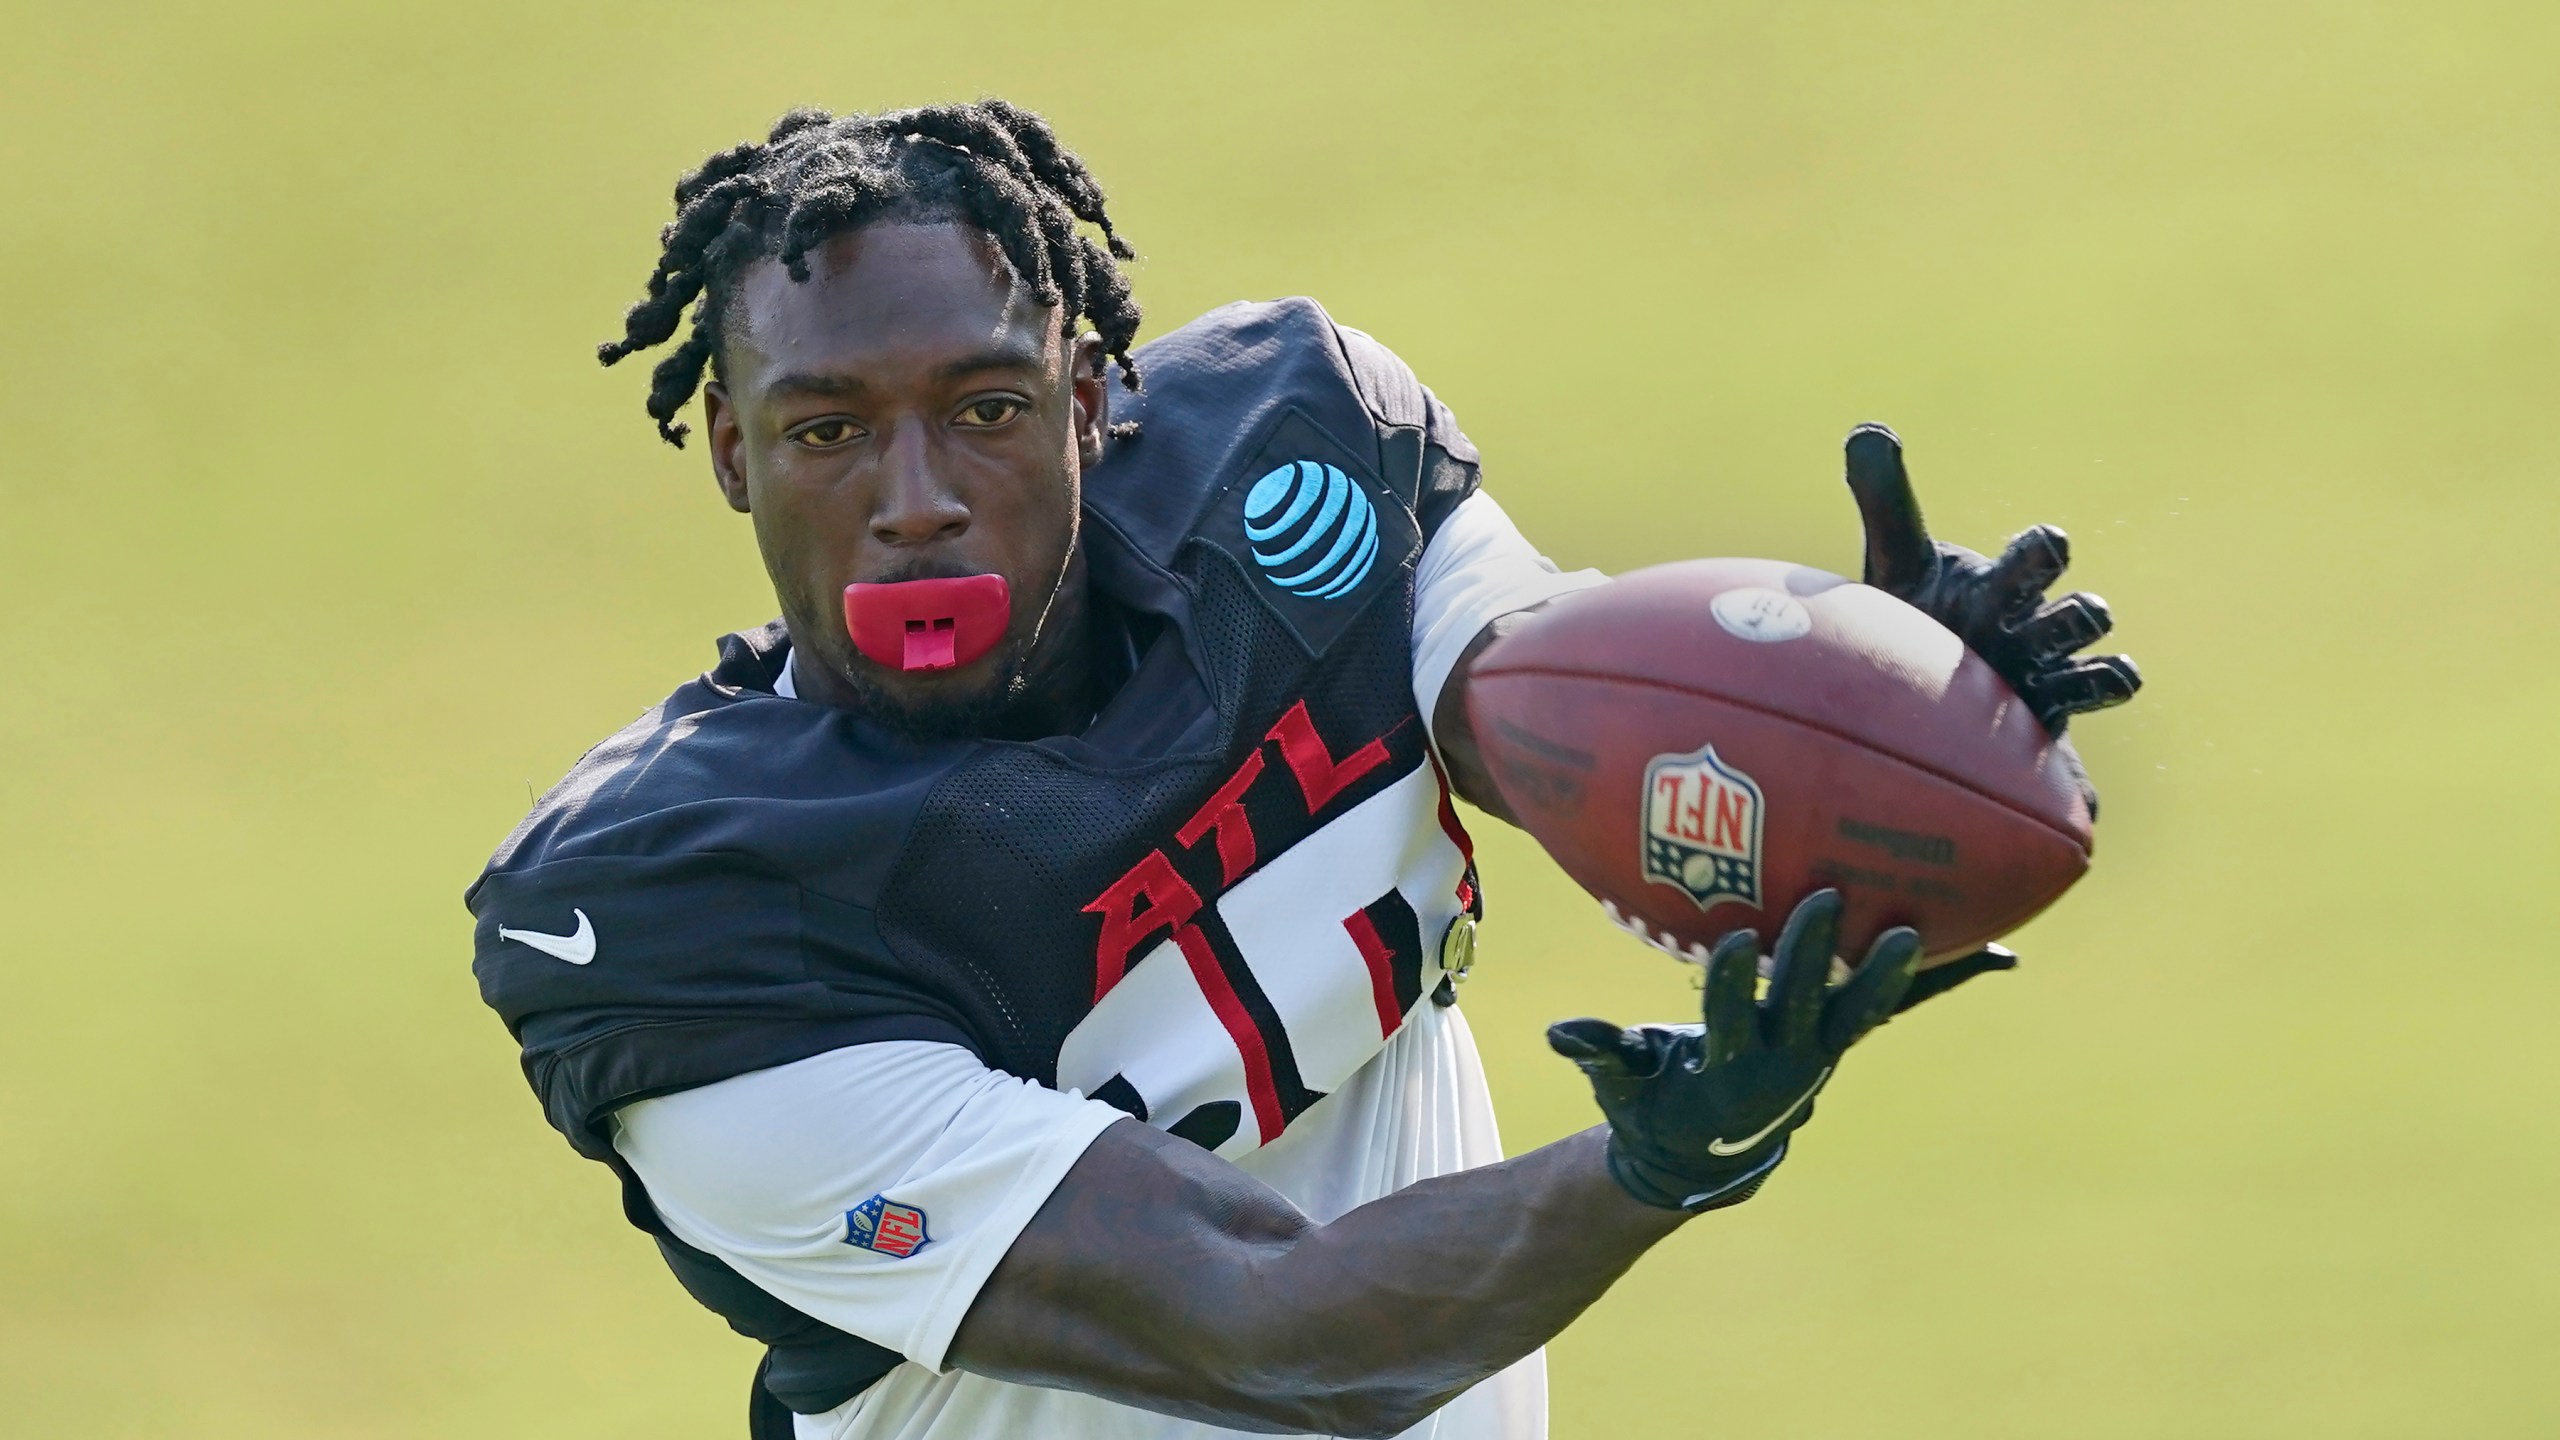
2069,755
1939,979
1899,556
1873,993
1804,952
1733,980
2034,559
1604,1051
2074,622
2091,684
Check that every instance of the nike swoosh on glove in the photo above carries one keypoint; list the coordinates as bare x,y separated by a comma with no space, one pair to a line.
1700,1114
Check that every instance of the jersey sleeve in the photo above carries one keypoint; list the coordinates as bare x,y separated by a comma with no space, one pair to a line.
873,1187
623,976
1442,463
1478,566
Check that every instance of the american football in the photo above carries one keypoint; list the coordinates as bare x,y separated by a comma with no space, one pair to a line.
1703,744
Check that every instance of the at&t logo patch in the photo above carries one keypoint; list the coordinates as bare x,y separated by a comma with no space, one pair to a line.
1312,529
1702,828
884,1225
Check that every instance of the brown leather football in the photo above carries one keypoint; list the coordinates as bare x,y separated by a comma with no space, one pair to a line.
1701,745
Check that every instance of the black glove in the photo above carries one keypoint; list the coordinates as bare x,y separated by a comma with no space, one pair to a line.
1937,980
1699,1115
1996,606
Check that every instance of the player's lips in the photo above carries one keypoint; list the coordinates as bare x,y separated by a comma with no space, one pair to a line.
926,625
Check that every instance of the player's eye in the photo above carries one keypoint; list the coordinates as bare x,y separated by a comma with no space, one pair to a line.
825,434
992,411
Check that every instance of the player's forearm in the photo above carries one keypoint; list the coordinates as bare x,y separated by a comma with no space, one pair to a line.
1403,1303
1172,1281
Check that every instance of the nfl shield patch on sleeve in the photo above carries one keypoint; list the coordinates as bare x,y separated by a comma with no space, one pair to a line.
884,1225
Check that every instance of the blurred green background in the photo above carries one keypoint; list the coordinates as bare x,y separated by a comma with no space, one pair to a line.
325,541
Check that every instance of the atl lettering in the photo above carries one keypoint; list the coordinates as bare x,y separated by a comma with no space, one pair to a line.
1153,899
1288,791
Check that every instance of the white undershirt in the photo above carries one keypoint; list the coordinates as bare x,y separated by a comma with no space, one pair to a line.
761,1169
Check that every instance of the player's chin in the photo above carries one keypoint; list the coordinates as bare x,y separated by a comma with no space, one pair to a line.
970,700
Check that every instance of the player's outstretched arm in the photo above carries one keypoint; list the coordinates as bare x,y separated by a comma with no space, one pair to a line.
1160,1276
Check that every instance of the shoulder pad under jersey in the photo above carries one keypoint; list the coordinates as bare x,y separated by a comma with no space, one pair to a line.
1304,450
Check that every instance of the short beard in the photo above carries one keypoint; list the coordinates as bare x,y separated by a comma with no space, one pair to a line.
980,713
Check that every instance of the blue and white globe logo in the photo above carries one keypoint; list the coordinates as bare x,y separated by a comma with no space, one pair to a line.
1312,528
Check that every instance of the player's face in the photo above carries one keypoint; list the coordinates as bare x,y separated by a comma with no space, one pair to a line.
909,411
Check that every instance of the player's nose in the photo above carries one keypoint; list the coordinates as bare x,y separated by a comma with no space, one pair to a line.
913,507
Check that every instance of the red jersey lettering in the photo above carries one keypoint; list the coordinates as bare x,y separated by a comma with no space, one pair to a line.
1320,776
1168,902
1223,812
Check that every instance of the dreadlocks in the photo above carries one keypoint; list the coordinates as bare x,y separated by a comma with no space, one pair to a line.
991,165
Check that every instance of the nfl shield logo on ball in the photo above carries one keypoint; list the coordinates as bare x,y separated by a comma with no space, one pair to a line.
884,1225
1702,828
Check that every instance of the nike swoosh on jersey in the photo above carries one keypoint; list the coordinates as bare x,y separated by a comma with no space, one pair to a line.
1736,1147
578,946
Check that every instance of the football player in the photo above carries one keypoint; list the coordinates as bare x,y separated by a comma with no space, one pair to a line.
1015,985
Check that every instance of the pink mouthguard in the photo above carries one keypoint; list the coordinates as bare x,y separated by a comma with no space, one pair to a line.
916,625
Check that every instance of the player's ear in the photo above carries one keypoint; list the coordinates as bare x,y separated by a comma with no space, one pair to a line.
1091,394
721,419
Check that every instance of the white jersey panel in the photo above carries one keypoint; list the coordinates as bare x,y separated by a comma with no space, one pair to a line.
1158,1031
1327,988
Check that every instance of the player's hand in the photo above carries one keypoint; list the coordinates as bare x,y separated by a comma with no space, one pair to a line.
1700,1114
1935,980
1996,606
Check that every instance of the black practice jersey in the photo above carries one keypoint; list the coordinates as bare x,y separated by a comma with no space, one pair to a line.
738,880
